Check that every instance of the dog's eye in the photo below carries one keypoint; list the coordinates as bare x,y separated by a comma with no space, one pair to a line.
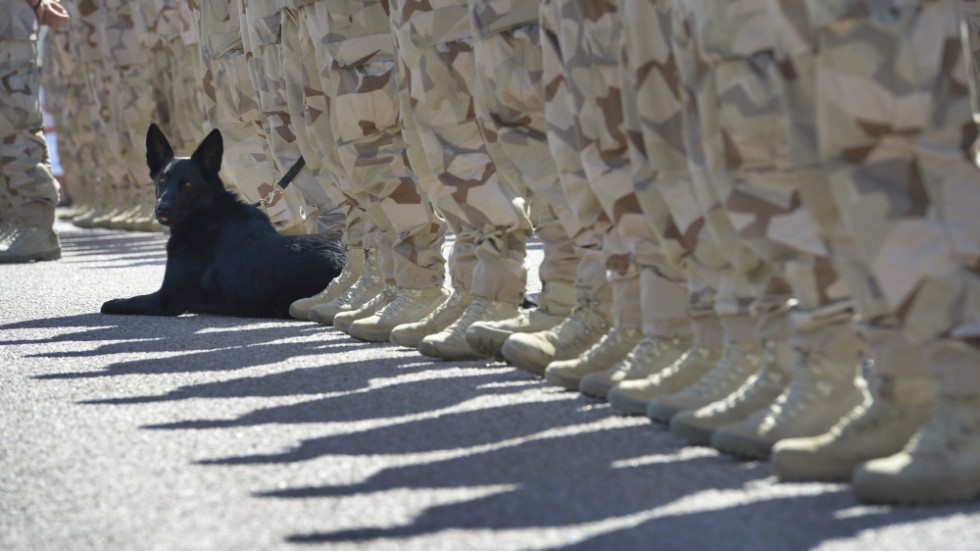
186,184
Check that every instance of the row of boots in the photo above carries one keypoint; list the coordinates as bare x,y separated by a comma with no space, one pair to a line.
140,217
815,415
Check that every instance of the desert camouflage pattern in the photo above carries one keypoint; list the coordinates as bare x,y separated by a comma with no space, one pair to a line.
437,72
970,10
314,108
590,45
652,112
95,112
85,183
129,92
592,222
899,161
298,61
231,103
509,103
261,38
358,75
900,175
58,69
751,173
24,163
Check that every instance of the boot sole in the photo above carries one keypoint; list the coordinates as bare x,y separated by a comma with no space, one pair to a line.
627,403
487,346
404,341
661,412
366,335
533,367
741,447
433,351
886,492
559,380
694,434
595,388
813,470
37,257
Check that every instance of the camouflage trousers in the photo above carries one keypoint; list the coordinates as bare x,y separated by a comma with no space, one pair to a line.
30,191
261,31
447,152
588,101
57,71
357,64
188,119
301,79
232,107
509,104
892,109
753,195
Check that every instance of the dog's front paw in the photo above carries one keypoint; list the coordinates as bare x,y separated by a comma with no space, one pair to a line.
114,306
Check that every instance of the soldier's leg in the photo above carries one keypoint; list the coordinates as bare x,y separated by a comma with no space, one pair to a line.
434,46
590,319
716,260
262,37
906,195
231,106
30,189
509,104
299,62
364,119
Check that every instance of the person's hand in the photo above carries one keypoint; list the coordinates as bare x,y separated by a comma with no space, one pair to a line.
50,13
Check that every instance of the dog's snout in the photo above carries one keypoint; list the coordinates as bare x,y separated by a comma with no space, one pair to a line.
164,212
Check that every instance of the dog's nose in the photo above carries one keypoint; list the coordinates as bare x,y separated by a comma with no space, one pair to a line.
164,212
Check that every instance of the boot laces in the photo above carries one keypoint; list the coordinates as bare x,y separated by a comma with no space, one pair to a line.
648,348
454,299
583,319
471,314
864,418
947,429
735,359
807,387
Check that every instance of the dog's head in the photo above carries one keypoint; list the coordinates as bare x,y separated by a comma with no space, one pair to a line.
183,184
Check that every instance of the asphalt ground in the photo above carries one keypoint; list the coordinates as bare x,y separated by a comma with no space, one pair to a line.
204,432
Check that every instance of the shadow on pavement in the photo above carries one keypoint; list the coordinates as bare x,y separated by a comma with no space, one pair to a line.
388,401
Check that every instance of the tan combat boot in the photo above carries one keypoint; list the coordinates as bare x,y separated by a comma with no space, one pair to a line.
30,244
32,237
410,334
820,393
554,304
409,305
940,463
738,361
369,285
343,320
757,393
879,427
532,352
611,348
353,268
85,219
450,343
630,385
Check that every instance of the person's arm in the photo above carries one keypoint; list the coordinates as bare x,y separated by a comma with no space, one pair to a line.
49,12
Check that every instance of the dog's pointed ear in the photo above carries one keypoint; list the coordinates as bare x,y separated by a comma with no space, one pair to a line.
158,150
207,156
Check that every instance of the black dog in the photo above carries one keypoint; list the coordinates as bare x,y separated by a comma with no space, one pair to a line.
223,256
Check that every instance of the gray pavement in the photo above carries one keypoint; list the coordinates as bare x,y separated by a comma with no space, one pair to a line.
206,432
